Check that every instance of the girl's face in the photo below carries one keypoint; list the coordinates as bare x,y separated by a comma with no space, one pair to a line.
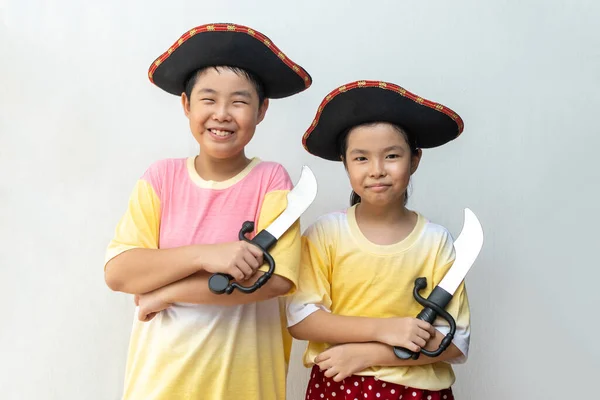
223,110
379,163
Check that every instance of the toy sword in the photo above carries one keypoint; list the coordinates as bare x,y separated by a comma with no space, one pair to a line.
298,200
467,247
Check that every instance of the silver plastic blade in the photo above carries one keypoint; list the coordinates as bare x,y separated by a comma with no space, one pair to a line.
467,247
298,200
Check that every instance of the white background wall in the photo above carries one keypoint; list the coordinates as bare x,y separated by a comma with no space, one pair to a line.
79,123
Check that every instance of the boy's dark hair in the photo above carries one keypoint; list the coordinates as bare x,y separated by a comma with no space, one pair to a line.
414,150
260,90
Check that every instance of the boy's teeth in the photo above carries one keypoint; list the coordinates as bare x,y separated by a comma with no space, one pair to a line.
220,132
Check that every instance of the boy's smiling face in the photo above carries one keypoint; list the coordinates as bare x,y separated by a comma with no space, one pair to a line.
223,109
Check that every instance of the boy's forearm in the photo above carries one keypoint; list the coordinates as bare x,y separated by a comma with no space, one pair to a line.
139,270
194,289
325,327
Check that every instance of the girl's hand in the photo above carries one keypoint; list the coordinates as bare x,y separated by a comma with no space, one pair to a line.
344,360
410,333
149,305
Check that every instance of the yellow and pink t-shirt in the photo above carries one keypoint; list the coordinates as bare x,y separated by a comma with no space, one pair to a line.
195,351
344,273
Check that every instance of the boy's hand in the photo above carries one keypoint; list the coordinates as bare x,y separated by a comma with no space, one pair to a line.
341,361
238,259
149,305
410,333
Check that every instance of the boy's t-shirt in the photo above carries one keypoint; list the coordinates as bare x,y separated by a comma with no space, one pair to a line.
194,351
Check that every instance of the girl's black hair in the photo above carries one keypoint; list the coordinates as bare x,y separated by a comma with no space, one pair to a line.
414,150
254,80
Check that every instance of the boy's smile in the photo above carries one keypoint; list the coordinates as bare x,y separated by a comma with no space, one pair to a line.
223,110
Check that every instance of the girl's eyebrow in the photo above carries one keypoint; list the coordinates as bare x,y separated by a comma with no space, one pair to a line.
394,147
385,150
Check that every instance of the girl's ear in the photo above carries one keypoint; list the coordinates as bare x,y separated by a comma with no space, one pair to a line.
415,160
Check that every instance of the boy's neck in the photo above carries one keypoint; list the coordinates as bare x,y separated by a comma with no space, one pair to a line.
214,169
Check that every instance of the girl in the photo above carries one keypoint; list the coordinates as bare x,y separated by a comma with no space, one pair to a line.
358,266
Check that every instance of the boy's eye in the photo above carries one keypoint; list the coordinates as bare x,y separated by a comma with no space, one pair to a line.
240,102
393,155
207,100
361,158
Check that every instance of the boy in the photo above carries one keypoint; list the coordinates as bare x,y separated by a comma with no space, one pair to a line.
182,223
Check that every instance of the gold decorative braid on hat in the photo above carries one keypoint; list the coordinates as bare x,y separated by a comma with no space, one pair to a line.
230,28
385,86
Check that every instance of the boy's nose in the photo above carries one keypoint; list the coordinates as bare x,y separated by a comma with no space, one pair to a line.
221,114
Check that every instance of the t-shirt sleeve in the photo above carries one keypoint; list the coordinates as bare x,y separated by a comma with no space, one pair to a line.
139,226
314,288
286,252
458,306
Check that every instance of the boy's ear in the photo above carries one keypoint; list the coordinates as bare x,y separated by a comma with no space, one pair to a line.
185,103
262,110
416,159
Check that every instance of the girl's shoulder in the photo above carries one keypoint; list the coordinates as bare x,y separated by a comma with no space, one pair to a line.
331,221
435,233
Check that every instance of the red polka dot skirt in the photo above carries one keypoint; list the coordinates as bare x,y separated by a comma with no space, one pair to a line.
366,388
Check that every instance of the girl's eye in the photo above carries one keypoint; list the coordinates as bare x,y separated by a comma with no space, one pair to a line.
360,158
393,155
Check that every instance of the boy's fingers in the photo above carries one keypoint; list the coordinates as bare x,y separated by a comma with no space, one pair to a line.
255,250
245,268
236,273
252,261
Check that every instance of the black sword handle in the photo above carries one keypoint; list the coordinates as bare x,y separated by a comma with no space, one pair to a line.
433,305
220,283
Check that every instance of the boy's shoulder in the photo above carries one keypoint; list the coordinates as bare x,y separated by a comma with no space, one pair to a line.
165,164
272,174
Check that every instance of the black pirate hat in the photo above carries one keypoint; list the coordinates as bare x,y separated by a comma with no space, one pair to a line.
428,124
228,45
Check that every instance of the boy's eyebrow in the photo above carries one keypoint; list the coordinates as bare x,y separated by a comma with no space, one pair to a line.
243,93
207,91
358,151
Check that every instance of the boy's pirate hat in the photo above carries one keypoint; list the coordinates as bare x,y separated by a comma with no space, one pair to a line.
428,124
228,45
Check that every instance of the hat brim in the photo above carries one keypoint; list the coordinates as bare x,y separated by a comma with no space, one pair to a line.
428,124
228,45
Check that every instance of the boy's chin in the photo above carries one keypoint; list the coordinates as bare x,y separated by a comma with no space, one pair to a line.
222,154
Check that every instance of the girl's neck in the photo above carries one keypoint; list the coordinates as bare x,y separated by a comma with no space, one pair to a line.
214,169
385,225
393,213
